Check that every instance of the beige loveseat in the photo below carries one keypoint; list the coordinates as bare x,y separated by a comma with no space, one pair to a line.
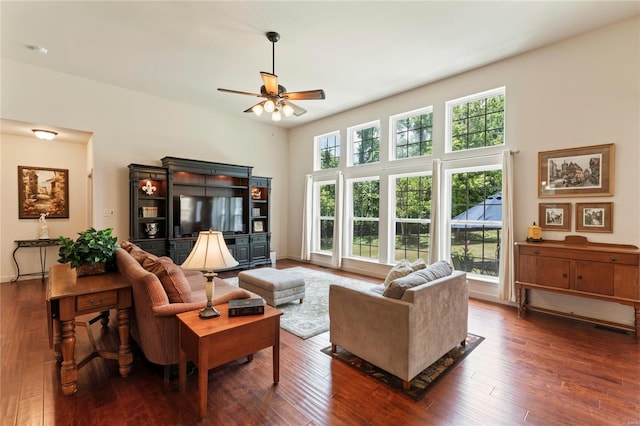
401,336
161,290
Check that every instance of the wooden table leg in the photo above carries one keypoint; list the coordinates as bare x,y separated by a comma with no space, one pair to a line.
276,352
69,369
203,376
182,370
636,309
125,357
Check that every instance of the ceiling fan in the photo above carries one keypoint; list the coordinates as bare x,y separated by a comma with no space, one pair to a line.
276,96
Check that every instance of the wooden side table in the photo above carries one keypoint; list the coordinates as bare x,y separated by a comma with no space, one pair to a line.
69,296
213,342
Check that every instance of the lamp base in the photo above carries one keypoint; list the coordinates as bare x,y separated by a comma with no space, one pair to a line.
209,312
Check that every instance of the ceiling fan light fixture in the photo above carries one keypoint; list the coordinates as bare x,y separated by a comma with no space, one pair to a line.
258,109
287,109
45,135
269,106
276,116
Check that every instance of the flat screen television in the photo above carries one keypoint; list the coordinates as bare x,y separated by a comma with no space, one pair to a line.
198,213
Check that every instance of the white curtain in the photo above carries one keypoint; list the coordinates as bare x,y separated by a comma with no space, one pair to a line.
338,221
506,286
436,196
307,218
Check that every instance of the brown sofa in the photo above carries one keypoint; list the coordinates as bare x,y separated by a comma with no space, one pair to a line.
161,290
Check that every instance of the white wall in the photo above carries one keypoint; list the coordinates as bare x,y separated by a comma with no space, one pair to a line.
29,151
579,92
131,127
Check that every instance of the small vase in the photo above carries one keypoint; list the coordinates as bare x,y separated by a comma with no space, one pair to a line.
89,269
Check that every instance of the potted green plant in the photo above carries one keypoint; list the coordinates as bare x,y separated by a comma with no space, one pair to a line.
90,252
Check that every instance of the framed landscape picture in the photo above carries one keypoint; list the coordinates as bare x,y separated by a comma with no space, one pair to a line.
554,216
43,190
594,217
579,172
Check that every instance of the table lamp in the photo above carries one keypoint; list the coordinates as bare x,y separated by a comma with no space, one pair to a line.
209,253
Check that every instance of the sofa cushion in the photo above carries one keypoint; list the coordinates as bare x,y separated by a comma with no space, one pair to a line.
418,264
171,277
400,269
432,272
136,252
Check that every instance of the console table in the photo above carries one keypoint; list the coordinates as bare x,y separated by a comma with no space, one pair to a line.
69,296
578,267
40,244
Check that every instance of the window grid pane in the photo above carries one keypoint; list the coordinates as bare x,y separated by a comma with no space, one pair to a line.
478,123
476,214
329,151
327,216
413,136
413,209
366,206
366,145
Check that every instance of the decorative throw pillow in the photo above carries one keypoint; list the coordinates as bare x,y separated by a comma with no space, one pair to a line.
171,277
432,272
138,254
418,264
399,270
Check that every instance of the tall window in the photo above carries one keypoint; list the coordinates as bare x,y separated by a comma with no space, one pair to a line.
365,143
366,216
412,133
328,150
476,220
476,121
412,217
326,219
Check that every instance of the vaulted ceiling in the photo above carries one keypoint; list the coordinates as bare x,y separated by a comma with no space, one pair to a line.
357,51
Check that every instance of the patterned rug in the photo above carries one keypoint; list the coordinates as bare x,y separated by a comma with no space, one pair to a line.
312,316
424,381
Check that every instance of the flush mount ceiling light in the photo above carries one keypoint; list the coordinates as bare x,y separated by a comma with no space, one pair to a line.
45,135
277,97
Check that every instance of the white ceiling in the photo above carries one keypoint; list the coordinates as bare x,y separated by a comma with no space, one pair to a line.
357,51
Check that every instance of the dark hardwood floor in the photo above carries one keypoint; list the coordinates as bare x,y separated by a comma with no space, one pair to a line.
541,370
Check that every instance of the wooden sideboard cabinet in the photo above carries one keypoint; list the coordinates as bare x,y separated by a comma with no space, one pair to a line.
578,267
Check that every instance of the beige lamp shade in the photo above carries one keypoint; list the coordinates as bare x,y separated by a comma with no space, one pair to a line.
209,253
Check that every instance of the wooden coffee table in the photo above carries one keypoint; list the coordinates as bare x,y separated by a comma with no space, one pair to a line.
213,342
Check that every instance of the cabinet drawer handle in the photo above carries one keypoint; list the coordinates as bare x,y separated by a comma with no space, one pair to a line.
536,251
100,301
564,275
613,258
579,277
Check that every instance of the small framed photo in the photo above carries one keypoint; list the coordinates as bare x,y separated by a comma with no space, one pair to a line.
594,217
256,211
554,216
258,226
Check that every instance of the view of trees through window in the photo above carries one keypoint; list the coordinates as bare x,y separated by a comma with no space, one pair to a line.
412,217
327,215
476,221
478,123
413,135
366,214
366,145
329,146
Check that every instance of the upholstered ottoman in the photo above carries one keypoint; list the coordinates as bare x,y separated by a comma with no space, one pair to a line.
274,285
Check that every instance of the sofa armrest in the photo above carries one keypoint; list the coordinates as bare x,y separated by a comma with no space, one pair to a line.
367,323
172,309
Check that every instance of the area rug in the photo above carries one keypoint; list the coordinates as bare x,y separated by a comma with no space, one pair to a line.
424,381
311,317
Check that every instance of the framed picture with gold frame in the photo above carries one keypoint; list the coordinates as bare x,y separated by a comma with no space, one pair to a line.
554,216
43,190
594,217
576,172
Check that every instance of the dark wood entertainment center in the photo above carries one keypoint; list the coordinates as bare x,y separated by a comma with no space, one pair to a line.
154,199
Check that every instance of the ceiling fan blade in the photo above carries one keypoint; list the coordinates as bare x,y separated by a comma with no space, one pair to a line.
297,111
305,95
240,93
270,83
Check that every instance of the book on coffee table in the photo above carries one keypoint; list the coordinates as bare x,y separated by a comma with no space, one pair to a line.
239,307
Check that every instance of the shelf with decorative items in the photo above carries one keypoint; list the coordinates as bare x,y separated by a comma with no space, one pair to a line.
148,207
260,224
